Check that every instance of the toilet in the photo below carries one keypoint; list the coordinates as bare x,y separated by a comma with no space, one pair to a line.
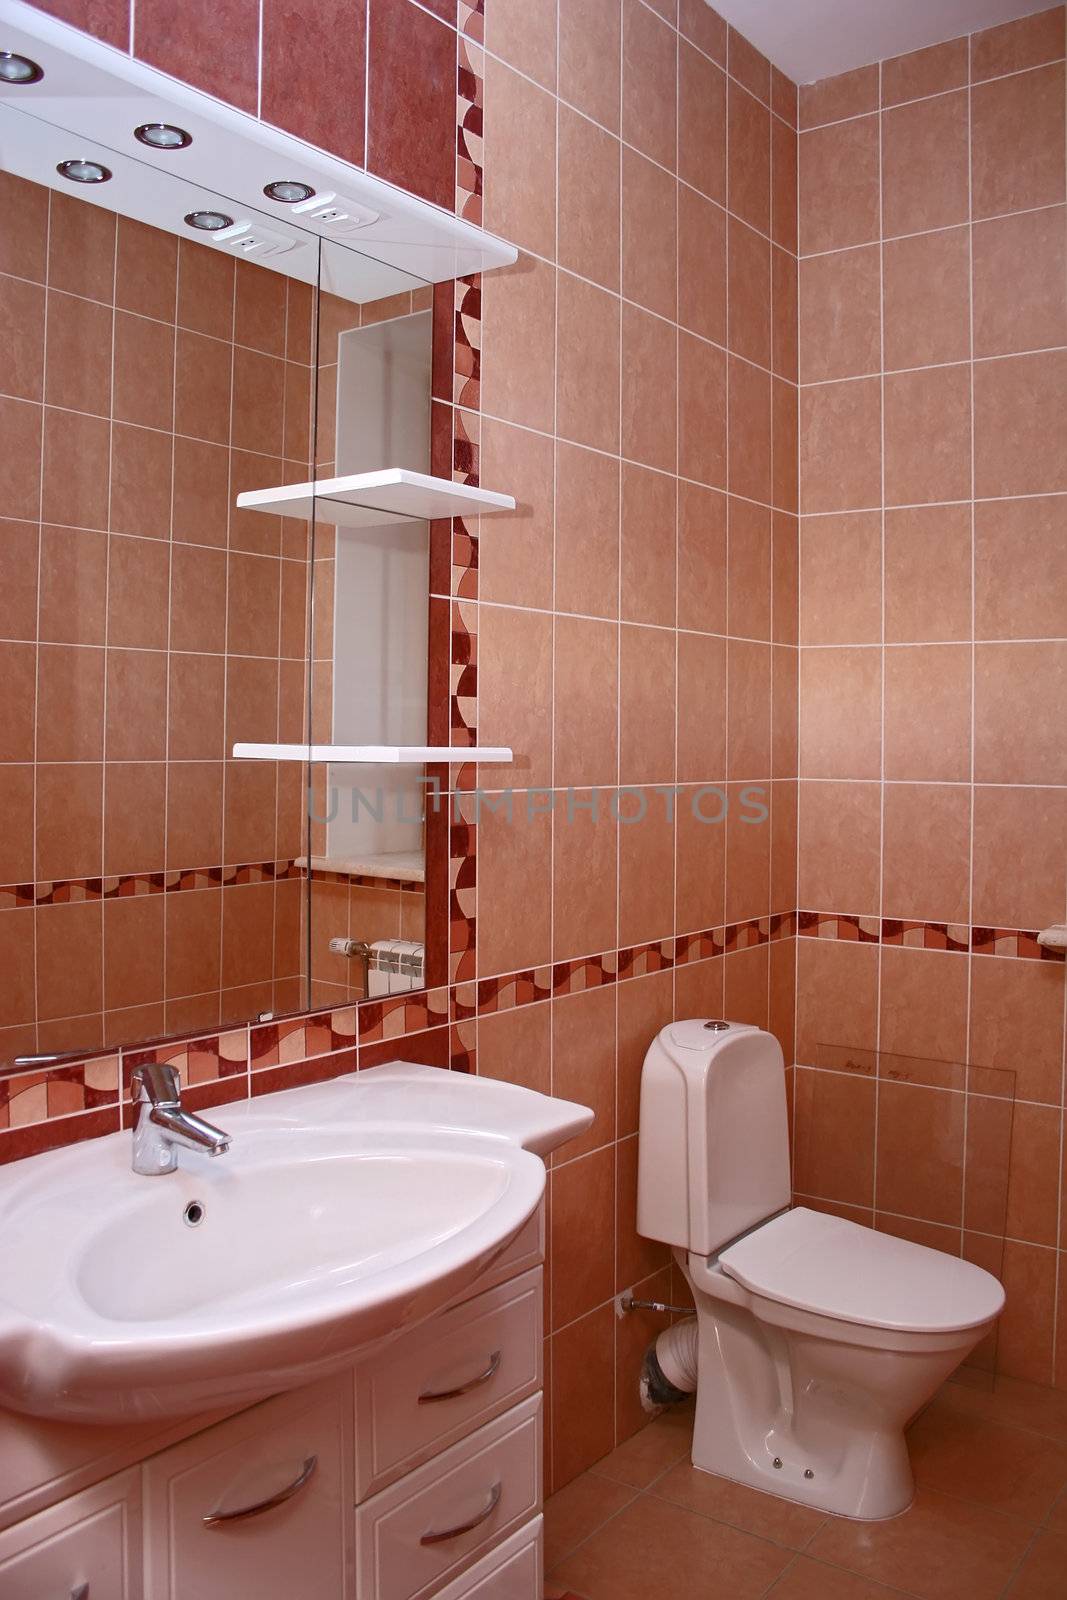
816,1340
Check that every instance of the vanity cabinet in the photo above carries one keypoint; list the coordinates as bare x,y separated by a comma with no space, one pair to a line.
414,1474
256,1505
86,1548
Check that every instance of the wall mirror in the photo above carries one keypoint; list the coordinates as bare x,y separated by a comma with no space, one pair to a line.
215,509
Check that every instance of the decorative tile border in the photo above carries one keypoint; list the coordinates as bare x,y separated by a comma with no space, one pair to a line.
1013,943
75,891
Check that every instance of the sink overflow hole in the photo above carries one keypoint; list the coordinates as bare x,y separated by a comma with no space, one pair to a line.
193,1215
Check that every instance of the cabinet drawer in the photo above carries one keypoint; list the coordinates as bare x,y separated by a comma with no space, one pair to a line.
445,1378
426,1529
92,1539
296,1542
513,1571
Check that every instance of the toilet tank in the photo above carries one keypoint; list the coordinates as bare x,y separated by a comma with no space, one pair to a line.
713,1147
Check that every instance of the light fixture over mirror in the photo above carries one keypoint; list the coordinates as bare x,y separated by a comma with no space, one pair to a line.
163,136
18,70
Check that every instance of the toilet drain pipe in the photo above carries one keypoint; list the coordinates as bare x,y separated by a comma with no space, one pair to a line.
671,1367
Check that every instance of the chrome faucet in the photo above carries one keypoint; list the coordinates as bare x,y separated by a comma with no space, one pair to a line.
162,1126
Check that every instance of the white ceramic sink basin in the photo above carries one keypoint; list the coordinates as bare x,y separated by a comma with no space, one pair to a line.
341,1215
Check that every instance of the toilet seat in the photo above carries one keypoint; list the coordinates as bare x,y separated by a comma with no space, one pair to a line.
823,1264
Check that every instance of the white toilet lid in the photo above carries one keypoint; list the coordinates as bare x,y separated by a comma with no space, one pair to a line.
839,1269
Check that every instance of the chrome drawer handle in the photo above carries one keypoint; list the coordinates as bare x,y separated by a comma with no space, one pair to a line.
467,1527
217,1518
464,1388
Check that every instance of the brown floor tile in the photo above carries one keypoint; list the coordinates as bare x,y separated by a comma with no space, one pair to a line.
990,1462
1043,1574
810,1580
1024,1405
656,1551
649,1453
765,1515
578,1511
940,1549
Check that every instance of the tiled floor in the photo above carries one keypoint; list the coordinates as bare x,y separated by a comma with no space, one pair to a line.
989,1518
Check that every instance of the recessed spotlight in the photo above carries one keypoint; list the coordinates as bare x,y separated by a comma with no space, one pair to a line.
163,136
80,171
208,221
18,69
288,191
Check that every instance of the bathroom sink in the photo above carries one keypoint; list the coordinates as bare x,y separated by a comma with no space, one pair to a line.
341,1215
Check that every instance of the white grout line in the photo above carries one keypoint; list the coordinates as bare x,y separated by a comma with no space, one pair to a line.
922,233
881,673
973,651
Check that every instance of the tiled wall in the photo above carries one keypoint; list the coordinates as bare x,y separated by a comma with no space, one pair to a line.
636,618
933,633
147,883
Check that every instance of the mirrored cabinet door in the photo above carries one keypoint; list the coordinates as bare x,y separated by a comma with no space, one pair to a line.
152,882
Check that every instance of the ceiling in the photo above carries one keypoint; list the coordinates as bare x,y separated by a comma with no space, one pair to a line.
810,39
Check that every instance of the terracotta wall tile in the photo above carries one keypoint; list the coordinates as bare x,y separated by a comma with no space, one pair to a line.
923,1004
649,84
587,383
920,1152
839,186
841,446
104,19
840,315
841,579
702,123
1020,570
928,713
1019,447
518,344
329,47
1019,875
834,1137
927,299
649,212
1017,1026
1017,142
1015,45
839,846
525,37
215,47
926,866
702,283
1015,736
928,435
850,94
411,109
923,72
589,178
840,713
925,164
590,57
650,421
648,535
1020,298
586,565
749,166
520,160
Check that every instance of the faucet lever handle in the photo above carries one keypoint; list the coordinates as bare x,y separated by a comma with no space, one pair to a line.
157,1082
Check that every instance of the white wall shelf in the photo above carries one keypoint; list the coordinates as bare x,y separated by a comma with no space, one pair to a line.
375,755
369,499
399,866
